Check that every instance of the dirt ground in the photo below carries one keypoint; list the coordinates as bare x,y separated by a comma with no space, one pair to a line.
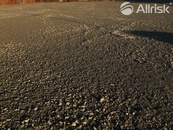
85,66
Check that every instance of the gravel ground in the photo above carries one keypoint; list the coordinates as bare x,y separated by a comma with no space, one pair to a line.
85,66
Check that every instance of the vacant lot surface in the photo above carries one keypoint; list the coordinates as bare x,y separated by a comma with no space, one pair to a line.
85,65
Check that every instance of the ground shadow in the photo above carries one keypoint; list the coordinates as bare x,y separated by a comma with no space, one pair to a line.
160,36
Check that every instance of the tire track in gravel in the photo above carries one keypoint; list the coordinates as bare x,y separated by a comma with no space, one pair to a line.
88,28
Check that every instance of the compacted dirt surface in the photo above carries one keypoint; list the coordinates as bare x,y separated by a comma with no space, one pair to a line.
85,66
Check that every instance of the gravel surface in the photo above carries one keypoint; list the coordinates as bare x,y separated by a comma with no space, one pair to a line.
85,66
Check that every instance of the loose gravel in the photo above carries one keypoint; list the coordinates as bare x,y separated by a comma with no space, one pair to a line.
85,66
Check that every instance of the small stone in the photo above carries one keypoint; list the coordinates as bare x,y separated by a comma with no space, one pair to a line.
67,117
90,118
126,123
112,85
49,122
102,100
36,108
94,128
61,123
113,112
85,122
77,122
68,103
5,109
74,105
165,128
80,127
60,104
122,127
26,121
22,126
83,109
8,120
73,124
16,110
60,100
82,43
91,114
134,113
172,63
83,106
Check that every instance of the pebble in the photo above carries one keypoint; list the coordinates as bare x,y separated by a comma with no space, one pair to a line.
112,85
67,117
36,108
165,128
94,128
68,103
80,127
8,120
73,124
102,100
22,126
90,118
83,106
61,123
49,122
74,105
27,120
85,122
113,112
91,114
77,122
134,113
